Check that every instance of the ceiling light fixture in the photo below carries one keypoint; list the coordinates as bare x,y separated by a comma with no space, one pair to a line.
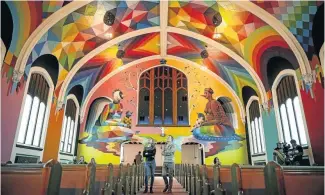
109,18
216,36
204,54
217,19
120,54
108,35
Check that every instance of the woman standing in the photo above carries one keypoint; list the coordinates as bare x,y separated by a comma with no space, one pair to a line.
150,163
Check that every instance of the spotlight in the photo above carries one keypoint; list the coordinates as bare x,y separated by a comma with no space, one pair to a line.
217,19
109,18
204,54
108,35
120,54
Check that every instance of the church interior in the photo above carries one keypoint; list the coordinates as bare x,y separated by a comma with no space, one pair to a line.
238,86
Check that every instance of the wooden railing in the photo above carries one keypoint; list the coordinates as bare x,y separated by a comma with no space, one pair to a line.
271,179
55,179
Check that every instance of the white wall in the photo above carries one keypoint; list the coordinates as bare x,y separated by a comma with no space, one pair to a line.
130,151
191,154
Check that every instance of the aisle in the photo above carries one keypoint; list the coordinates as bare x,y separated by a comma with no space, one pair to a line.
159,187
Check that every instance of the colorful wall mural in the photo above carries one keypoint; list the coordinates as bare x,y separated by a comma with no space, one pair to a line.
102,139
101,132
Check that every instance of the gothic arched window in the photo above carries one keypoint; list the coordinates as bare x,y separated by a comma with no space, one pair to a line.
163,99
290,111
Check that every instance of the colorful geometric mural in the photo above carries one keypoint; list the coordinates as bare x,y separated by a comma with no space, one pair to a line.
297,16
113,58
83,30
26,15
103,141
238,26
215,60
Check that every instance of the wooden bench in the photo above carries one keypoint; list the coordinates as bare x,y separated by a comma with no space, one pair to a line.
36,179
78,179
290,180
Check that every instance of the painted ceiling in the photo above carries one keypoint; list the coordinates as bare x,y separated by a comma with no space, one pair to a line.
82,31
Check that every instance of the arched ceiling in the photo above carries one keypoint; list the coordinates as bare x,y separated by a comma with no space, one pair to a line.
86,48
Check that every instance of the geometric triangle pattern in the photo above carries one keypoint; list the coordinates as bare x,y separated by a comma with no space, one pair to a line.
83,30
297,16
217,61
105,62
236,27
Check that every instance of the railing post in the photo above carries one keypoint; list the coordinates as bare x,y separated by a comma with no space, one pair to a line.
192,183
109,181
186,177
205,182
133,180
119,187
54,181
273,181
218,190
236,179
197,180
90,181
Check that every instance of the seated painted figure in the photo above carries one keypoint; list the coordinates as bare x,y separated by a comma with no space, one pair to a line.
216,126
104,123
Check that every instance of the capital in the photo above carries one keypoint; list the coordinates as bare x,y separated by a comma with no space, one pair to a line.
265,106
308,78
59,105
17,76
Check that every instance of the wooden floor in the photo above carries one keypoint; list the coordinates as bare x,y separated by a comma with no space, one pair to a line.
159,186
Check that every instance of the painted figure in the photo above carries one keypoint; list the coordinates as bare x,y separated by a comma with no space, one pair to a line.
217,126
104,122
200,120
127,119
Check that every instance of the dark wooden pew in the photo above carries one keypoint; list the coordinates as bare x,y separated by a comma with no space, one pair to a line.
291,180
34,179
78,179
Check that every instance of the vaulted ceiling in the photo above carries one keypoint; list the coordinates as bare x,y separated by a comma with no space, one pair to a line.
92,39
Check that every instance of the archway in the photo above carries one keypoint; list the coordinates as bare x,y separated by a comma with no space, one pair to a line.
129,150
192,153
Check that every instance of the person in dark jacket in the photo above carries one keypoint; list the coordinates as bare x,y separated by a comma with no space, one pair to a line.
149,153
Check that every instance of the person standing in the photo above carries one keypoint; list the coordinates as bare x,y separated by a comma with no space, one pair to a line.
298,152
138,158
168,166
149,153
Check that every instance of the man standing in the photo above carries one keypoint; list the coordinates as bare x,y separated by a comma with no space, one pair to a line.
150,164
168,166
138,158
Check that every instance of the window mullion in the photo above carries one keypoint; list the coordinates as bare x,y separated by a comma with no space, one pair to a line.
32,94
151,97
38,94
174,89
46,93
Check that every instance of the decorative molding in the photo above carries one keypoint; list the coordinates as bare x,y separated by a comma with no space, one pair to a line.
59,105
309,78
265,106
17,76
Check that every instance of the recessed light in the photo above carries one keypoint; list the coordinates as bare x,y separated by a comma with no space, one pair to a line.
216,35
109,18
108,35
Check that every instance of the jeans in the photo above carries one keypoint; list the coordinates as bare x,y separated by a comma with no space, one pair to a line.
168,167
150,167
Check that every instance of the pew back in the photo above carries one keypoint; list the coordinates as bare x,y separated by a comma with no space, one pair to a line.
303,180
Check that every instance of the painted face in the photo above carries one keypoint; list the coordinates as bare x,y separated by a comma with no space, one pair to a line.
169,139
